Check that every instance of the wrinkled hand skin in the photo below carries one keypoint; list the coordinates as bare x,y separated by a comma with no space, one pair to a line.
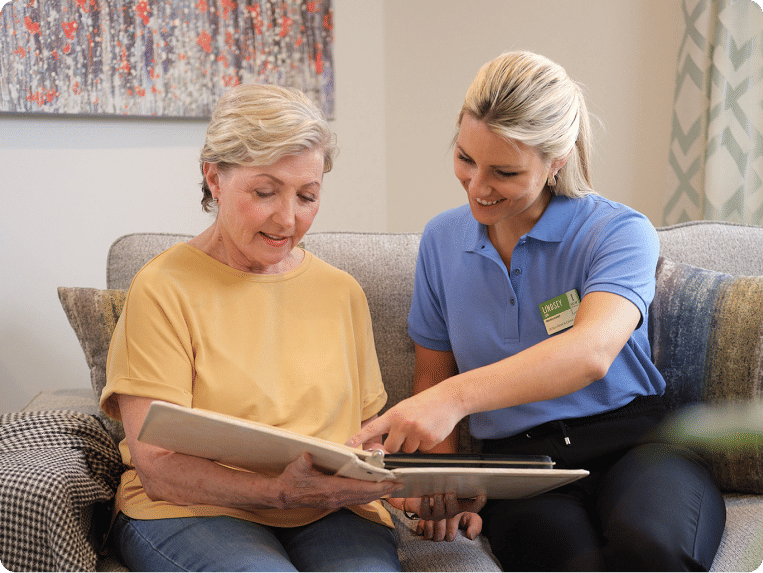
301,485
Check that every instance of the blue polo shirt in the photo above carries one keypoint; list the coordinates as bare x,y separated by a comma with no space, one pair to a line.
466,301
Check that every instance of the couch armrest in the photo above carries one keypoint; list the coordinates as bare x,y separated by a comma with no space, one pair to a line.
76,400
58,474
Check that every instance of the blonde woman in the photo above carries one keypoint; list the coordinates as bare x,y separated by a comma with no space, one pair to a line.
242,321
530,316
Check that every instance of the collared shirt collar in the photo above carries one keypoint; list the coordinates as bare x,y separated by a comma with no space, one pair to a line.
555,220
551,227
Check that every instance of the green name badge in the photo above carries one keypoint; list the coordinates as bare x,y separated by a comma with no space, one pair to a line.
559,313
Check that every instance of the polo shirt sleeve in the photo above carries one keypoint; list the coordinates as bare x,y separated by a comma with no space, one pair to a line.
623,259
427,324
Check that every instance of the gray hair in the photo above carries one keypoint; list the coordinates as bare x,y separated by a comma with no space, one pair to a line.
256,124
526,97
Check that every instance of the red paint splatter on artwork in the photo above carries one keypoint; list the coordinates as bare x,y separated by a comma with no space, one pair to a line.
202,6
67,48
125,64
313,7
33,27
285,26
142,9
228,6
319,62
41,97
205,41
84,5
20,51
70,28
254,14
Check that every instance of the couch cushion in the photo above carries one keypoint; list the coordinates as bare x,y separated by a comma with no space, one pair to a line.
93,314
726,247
129,253
706,330
741,546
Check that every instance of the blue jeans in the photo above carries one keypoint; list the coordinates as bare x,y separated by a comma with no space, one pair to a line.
341,541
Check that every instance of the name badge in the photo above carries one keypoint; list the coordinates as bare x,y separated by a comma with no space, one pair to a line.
559,313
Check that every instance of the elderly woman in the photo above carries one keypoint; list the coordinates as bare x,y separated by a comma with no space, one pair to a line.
242,321
530,315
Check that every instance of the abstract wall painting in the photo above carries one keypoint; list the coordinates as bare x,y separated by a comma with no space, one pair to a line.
164,58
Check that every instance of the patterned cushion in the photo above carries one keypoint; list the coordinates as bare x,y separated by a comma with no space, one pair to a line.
93,314
706,330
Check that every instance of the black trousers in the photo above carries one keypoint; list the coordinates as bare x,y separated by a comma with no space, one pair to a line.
646,505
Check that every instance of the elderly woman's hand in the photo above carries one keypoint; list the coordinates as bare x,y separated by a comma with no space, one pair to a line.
301,485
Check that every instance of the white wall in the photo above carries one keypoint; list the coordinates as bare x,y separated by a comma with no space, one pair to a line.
623,51
73,185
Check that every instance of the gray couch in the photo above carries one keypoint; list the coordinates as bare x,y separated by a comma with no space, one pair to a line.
690,307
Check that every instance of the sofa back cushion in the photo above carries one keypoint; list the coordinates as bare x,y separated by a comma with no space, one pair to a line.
129,253
93,315
706,332
723,247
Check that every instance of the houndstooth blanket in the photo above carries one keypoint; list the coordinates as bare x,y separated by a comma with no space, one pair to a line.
58,473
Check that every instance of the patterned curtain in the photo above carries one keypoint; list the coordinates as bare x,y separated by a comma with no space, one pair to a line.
716,151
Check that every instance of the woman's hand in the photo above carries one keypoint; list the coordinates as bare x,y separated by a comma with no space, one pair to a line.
441,516
446,529
417,423
301,485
